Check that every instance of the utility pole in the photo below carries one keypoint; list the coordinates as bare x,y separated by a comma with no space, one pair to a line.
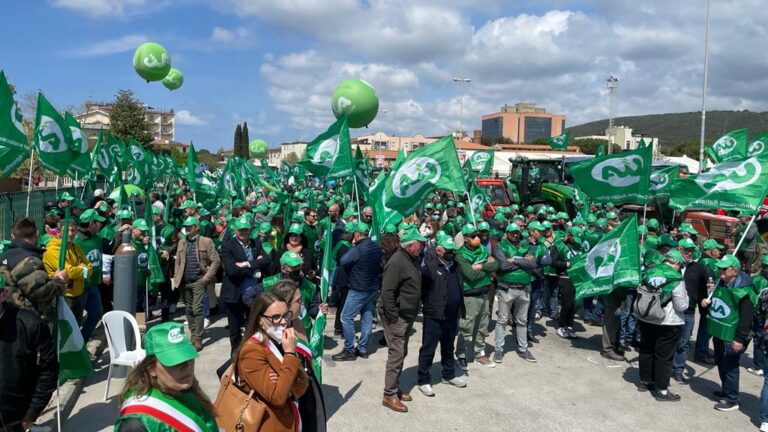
461,82
613,84
704,91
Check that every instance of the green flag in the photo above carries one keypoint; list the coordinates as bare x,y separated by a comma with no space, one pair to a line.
734,185
477,198
118,153
481,161
758,146
273,177
53,138
468,173
196,178
13,137
622,177
101,158
642,143
82,163
731,146
330,154
361,174
662,179
139,172
156,276
600,150
559,142
382,215
316,345
613,262
434,166
74,361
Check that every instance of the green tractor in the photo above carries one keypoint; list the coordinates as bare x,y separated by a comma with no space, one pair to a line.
542,181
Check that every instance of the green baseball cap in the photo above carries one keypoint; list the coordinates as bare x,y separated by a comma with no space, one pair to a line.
710,244
295,228
242,223
429,206
667,240
265,227
529,209
405,226
169,343
124,214
535,225
687,228
349,212
483,226
156,211
411,235
546,224
468,229
191,221
513,227
575,231
390,229
238,203
728,260
652,224
562,215
350,227
103,206
65,196
591,218
460,205
578,220
187,204
362,227
78,204
642,230
686,243
675,256
141,224
91,215
291,259
601,223
499,216
611,215
446,242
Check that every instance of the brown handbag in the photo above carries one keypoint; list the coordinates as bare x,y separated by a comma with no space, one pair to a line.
237,411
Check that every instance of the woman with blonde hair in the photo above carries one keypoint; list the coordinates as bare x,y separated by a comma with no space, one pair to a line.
161,394
268,348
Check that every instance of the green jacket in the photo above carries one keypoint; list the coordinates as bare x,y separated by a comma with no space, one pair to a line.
517,276
476,282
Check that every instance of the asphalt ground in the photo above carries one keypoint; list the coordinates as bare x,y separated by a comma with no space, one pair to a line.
570,388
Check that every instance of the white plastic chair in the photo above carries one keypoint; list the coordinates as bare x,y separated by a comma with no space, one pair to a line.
114,326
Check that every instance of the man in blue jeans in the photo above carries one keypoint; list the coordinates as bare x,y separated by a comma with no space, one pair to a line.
730,319
363,267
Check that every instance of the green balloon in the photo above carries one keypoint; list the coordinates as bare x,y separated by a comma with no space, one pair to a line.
258,148
174,79
151,61
357,99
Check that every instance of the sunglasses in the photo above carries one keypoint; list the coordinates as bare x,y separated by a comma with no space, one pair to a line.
276,319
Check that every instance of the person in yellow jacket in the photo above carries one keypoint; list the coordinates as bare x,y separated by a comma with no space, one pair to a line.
76,265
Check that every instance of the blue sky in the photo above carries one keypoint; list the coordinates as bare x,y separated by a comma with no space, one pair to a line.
275,63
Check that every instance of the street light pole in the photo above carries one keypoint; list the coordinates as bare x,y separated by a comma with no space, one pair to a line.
613,84
461,82
381,111
704,92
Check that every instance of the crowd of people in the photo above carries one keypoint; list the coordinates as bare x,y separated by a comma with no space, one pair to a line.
468,275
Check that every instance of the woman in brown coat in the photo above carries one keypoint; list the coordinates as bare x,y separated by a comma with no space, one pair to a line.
269,347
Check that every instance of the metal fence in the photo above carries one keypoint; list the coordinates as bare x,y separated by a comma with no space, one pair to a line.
13,207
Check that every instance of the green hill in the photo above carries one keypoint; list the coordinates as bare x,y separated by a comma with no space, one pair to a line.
675,129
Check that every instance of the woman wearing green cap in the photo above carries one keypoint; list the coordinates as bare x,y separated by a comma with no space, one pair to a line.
161,394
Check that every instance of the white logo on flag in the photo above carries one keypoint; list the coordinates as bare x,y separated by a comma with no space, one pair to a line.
724,145
659,181
81,144
619,172
16,118
730,175
51,136
609,253
326,152
755,148
414,174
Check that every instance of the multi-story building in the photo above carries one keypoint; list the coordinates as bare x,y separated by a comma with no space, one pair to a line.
624,137
382,141
96,118
274,157
296,147
522,123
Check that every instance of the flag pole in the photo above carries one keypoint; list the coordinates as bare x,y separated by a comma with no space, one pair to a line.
642,235
57,184
357,194
471,210
29,181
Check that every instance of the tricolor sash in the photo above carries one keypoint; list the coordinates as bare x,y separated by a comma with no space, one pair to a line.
165,409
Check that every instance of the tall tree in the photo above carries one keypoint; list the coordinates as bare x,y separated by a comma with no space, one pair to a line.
246,141
237,148
128,119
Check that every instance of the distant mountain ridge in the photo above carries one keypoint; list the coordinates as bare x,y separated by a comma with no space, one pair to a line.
676,128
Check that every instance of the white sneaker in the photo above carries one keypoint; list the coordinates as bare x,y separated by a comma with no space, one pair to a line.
456,382
571,333
206,323
764,427
753,371
426,390
562,332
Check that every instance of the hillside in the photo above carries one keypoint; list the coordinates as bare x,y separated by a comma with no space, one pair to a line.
676,128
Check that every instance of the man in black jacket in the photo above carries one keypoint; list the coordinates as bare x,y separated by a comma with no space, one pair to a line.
398,307
695,276
28,365
443,303
240,262
23,269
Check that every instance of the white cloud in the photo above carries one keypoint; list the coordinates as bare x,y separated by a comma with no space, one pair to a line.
115,46
186,118
102,8
237,37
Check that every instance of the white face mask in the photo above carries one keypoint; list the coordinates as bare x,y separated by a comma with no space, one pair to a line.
276,332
